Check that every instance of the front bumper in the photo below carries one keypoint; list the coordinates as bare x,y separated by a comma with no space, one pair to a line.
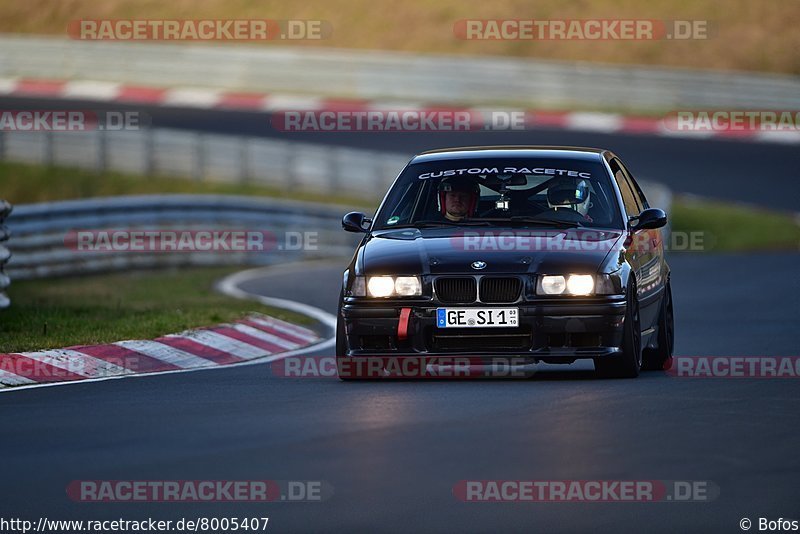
551,331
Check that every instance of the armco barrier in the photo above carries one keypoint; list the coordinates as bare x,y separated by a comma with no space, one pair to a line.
291,166
5,254
199,156
41,250
394,75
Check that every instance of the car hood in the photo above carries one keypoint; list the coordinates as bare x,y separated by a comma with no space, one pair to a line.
412,251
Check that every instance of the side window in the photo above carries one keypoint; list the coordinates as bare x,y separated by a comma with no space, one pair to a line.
628,198
637,191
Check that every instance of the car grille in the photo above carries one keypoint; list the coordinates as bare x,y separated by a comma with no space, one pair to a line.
496,290
456,290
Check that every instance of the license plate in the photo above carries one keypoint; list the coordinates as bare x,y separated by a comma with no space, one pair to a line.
477,317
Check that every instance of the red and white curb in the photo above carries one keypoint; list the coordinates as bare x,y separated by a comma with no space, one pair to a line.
205,98
256,337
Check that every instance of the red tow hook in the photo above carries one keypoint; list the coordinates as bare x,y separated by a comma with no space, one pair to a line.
402,324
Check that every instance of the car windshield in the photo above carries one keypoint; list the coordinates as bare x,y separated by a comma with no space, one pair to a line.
554,192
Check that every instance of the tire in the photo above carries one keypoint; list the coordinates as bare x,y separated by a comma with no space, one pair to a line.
660,357
341,348
628,363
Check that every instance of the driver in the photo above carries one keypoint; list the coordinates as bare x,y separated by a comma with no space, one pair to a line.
571,194
458,198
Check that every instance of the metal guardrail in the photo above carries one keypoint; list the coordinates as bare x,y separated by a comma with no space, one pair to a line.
394,75
40,247
5,254
200,156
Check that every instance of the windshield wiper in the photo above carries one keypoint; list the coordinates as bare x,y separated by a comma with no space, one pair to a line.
544,222
432,224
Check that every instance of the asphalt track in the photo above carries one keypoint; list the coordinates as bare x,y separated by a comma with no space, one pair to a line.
765,174
394,450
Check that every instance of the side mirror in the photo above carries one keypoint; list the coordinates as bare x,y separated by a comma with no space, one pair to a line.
649,219
355,221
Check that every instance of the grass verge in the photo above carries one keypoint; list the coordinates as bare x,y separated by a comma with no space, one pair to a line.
23,183
733,227
59,313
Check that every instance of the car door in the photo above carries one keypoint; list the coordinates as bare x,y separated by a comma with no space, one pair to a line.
633,252
649,245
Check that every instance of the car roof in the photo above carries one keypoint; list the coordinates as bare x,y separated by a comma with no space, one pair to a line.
580,153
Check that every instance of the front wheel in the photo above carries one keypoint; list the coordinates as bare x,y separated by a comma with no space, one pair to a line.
628,363
341,349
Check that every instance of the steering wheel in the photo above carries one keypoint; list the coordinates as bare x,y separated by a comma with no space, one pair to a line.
493,212
565,214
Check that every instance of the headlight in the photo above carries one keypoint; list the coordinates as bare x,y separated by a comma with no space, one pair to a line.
552,285
580,284
407,286
390,286
380,286
575,284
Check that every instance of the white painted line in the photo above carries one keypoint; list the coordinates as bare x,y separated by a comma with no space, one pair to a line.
291,103
10,379
7,85
788,137
669,132
265,336
227,344
165,353
596,122
92,90
230,286
200,98
396,105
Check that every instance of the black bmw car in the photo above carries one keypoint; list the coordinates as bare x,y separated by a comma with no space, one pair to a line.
546,254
